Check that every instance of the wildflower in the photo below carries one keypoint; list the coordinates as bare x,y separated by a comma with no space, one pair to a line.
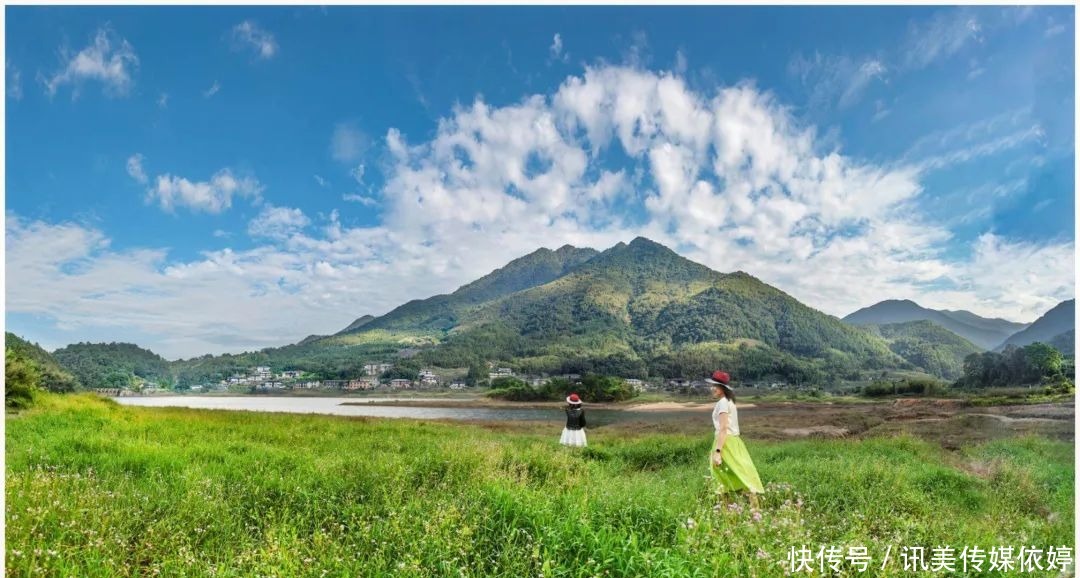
757,516
690,524
762,554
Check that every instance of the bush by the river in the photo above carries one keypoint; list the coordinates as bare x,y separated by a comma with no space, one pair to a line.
591,388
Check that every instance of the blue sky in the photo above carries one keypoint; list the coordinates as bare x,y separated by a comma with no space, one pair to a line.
202,179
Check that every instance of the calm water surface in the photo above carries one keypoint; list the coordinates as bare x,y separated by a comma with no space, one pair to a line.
370,408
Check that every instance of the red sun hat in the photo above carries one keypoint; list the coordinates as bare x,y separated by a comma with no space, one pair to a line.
719,378
573,398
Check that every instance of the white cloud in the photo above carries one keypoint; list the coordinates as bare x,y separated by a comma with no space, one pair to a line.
213,196
880,111
729,176
163,100
322,182
348,144
680,63
1011,279
109,60
358,173
14,80
362,199
135,169
1054,29
986,137
837,81
278,223
556,49
944,35
214,88
247,34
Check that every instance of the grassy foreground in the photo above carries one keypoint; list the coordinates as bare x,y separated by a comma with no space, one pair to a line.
95,489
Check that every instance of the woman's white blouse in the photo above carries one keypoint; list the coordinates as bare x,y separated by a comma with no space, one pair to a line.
726,406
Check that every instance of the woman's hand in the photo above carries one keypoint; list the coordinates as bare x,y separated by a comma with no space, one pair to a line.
717,459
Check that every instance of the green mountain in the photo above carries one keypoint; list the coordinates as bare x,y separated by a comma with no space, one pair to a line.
632,310
1061,319
360,322
442,312
108,365
52,376
928,346
981,331
1065,342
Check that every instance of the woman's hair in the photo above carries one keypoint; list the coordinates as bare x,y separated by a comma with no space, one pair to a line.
727,392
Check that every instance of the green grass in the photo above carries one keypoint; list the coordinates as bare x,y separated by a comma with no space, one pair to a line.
96,489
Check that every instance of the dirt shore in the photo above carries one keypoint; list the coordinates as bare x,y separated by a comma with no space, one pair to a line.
950,422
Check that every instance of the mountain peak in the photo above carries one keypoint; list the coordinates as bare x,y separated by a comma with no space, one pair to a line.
907,302
1060,319
645,242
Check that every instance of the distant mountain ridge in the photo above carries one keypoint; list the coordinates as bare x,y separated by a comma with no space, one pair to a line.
981,331
1050,327
928,346
636,307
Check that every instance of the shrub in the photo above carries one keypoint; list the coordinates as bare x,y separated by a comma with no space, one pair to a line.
21,379
909,386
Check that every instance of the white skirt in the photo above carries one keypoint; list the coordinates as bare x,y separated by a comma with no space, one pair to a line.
573,437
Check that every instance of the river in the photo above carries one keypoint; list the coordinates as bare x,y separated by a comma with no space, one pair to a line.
375,407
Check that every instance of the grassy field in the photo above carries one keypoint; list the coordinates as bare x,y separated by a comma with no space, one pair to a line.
95,489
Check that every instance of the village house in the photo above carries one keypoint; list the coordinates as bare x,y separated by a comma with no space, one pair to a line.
428,378
377,368
500,372
400,384
364,383
290,374
458,385
636,384
335,383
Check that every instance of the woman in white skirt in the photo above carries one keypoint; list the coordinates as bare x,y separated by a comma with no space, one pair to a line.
574,432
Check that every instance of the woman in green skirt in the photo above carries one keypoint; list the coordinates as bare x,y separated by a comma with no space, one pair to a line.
731,465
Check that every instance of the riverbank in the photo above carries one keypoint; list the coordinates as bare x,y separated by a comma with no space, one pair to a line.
98,489
948,422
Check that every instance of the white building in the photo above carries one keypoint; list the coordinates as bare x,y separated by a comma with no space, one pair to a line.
373,369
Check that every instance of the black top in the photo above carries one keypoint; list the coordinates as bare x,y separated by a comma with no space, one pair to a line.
575,417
